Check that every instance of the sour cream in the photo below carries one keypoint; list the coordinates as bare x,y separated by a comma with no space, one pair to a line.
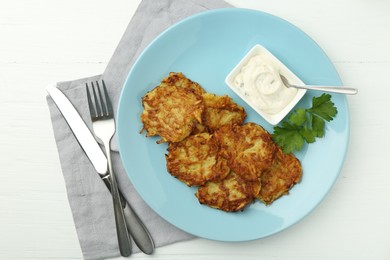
259,80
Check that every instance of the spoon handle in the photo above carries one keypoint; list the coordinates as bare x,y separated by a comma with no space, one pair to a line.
341,90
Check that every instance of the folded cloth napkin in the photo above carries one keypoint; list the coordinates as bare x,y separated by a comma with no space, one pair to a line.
89,199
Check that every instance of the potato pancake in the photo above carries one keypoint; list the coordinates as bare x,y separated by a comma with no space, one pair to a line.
248,149
171,112
196,160
221,111
178,79
231,194
276,181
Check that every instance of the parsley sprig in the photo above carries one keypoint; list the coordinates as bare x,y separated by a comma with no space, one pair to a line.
305,124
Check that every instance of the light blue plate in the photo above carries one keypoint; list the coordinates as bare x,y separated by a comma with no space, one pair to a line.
205,47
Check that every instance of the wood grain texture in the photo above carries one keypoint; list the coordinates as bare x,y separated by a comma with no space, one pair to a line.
44,41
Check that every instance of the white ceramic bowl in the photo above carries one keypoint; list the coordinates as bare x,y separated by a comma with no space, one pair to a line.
273,119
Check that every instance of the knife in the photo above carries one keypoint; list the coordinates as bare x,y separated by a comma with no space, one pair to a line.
96,156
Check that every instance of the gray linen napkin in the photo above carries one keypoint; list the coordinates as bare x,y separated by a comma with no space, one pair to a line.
89,199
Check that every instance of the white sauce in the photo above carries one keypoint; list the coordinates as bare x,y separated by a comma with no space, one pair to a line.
260,82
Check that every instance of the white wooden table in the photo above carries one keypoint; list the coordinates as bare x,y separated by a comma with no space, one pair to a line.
353,222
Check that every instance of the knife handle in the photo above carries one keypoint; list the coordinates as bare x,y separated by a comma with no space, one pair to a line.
138,231
136,228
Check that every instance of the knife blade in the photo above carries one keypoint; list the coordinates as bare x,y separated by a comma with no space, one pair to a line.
98,159
80,130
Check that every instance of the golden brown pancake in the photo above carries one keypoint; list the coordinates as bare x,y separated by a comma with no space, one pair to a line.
248,149
221,111
283,174
231,194
178,79
171,112
196,160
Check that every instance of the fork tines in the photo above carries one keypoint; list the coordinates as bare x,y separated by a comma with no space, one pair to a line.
99,104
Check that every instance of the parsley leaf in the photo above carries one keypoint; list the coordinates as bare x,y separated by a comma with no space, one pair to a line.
323,107
308,134
317,125
299,117
288,137
305,125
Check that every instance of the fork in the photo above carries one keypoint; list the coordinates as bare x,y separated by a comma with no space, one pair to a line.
104,127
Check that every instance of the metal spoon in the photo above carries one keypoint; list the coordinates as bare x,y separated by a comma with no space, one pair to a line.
341,90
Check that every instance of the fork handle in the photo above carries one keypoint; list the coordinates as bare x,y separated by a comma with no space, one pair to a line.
107,180
124,241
